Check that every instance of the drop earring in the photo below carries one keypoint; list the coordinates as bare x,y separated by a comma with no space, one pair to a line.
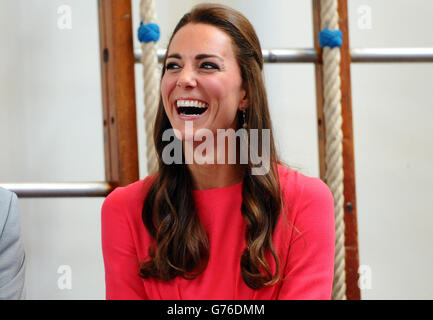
244,125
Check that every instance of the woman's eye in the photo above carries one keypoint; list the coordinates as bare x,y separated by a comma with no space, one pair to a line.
172,65
209,65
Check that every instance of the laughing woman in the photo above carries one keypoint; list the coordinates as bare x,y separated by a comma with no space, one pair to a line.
217,230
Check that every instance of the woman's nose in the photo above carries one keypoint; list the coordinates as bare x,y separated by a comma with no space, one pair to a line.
187,79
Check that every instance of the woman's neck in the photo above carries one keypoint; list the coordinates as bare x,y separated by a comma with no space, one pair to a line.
210,172
211,176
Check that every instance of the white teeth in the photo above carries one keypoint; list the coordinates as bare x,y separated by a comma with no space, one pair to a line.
191,103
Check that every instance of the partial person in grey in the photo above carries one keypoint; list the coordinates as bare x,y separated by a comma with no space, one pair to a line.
12,255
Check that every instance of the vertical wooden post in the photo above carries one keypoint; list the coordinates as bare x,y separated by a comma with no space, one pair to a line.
351,228
118,91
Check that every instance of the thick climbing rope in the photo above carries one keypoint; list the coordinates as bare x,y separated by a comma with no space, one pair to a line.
149,34
334,134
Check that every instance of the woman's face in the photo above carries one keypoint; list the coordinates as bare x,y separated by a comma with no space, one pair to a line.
202,81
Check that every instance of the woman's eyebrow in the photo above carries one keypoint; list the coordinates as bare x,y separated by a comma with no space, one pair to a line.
205,56
174,55
197,57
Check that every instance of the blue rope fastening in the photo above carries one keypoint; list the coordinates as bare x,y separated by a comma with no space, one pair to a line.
148,32
330,38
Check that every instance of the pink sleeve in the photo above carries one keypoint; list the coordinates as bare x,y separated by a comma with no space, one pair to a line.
120,258
310,265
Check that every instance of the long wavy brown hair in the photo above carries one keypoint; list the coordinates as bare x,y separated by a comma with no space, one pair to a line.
169,213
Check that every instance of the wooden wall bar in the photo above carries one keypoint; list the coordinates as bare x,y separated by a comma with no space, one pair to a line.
351,228
118,91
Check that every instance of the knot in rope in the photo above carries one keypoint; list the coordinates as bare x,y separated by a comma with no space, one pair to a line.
330,38
148,32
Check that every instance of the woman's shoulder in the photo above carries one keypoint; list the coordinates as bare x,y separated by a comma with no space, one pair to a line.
122,231
297,186
129,196
308,203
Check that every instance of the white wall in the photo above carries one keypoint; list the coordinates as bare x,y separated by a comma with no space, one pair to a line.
51,130
393,128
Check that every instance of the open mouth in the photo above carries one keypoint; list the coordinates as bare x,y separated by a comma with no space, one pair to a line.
191,107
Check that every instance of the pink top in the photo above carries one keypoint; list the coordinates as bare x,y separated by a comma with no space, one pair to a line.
307,260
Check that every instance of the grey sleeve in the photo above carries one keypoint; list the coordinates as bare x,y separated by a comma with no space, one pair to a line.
12,255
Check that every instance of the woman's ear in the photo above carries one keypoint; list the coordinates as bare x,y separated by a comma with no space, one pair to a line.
243,104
